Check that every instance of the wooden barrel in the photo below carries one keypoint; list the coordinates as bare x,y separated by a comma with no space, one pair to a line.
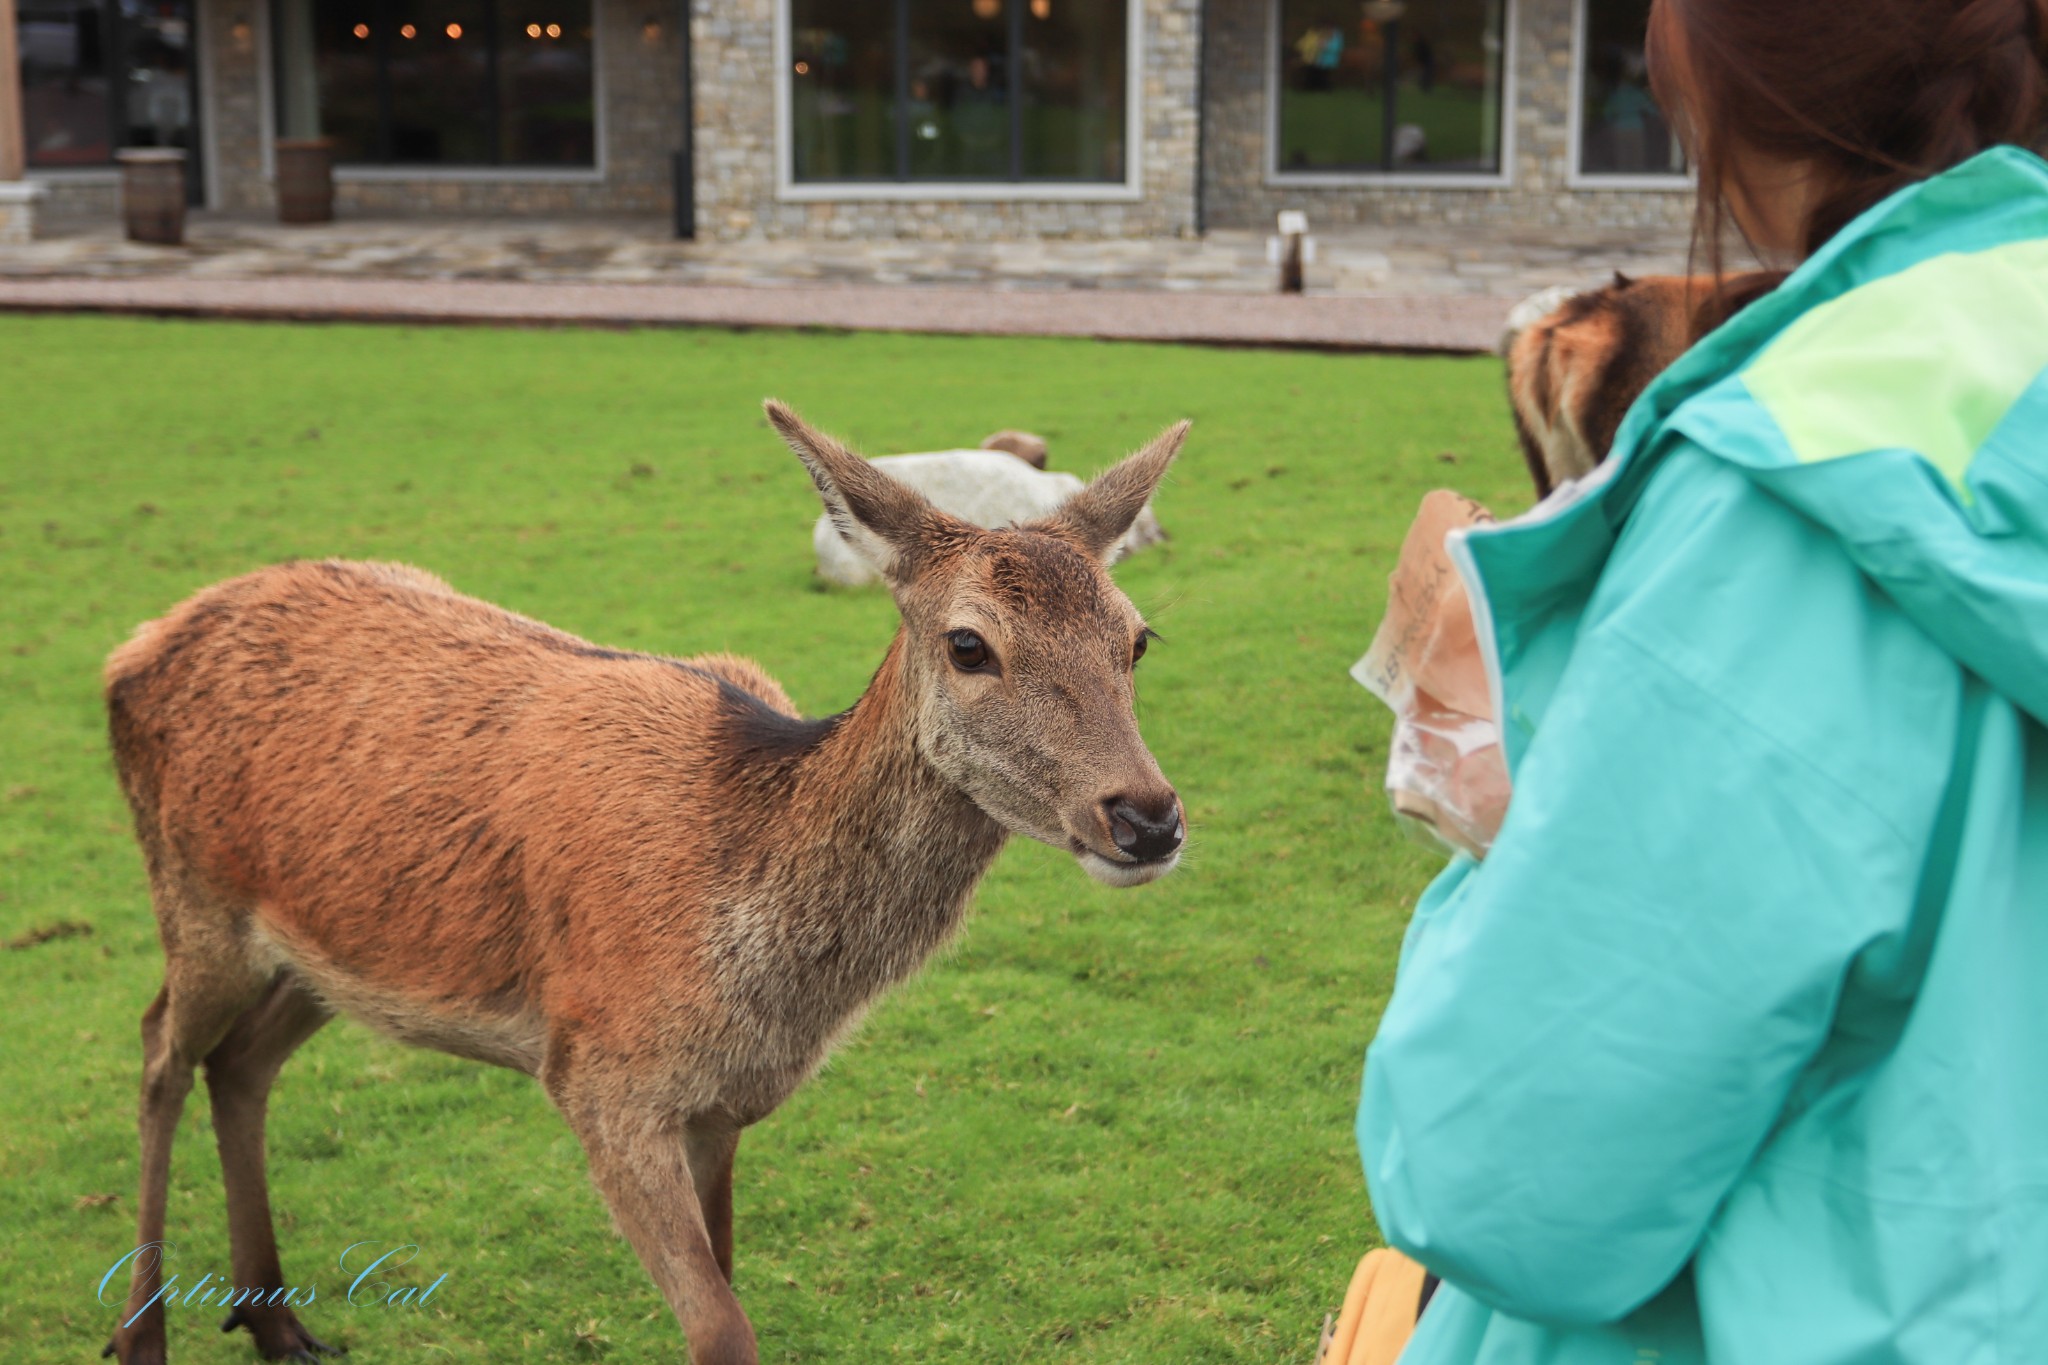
153,193
305,180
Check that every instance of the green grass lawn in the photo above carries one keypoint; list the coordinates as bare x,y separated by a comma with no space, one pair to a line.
1112,1126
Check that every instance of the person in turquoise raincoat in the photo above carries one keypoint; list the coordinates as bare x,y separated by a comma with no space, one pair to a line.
1734,1049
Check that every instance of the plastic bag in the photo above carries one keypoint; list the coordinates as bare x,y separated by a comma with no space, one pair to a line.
1445,773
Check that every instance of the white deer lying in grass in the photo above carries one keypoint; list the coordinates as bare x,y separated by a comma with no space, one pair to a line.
986,487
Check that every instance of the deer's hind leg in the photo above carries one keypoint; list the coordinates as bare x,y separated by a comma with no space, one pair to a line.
239,1074
710,1141
208,983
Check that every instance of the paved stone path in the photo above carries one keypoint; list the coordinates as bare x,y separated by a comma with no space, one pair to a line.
1415,323
1443,289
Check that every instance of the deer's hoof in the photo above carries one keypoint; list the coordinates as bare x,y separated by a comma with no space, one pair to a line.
138,1351
280,1335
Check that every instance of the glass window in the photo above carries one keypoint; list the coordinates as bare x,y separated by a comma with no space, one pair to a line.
440,82
1621,129
65,94
545,80
843,89
1073,96
154,48
437,71
957,90
959,106
99,75
1391,85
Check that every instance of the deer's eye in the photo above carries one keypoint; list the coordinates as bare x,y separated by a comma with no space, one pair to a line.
1145,637
969,651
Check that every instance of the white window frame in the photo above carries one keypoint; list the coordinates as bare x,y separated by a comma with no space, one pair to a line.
266,90
1577,179
789,190
1504,178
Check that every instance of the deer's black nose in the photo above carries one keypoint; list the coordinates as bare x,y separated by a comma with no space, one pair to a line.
1146,834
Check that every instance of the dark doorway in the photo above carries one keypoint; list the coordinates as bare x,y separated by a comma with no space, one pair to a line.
100,75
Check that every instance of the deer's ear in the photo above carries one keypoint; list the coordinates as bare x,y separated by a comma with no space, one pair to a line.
885,520
1099,514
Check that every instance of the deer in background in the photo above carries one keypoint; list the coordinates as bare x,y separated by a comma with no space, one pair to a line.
1578,360
646,882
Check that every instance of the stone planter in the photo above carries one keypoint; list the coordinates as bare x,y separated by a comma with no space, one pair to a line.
305,180
153,194
18,211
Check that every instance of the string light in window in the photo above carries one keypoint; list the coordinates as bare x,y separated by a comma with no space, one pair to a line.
803,68
408,31
554,30
361,30
1041,9
454,30
987,9
533,30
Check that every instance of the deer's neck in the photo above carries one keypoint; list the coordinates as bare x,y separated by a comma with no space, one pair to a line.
869,856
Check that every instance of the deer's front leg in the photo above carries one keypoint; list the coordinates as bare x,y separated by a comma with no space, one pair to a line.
639,1161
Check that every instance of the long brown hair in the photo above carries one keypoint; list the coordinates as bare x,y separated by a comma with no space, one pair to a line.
1874,94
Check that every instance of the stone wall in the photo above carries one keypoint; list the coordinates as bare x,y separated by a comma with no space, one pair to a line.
1235,189
735,74
734,77
233,101
78,199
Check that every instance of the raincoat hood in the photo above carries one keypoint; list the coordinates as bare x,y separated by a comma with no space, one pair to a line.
1904,414
1893,390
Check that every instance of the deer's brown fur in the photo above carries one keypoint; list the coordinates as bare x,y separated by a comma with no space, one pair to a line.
1574,374
648,882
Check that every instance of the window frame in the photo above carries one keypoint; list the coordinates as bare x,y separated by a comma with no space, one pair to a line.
1510,94
1577,178
789,189
461,172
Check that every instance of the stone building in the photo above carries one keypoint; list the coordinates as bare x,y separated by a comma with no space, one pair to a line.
863,118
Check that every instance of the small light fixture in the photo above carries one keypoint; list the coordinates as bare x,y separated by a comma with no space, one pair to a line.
987,9
1041,9
408,31
454,30
803,68
554,30
533,30
362,30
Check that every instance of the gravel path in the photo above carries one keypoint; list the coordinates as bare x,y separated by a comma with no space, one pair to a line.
1445,322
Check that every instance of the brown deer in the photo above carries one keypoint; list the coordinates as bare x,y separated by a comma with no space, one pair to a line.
647,882
1578,361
